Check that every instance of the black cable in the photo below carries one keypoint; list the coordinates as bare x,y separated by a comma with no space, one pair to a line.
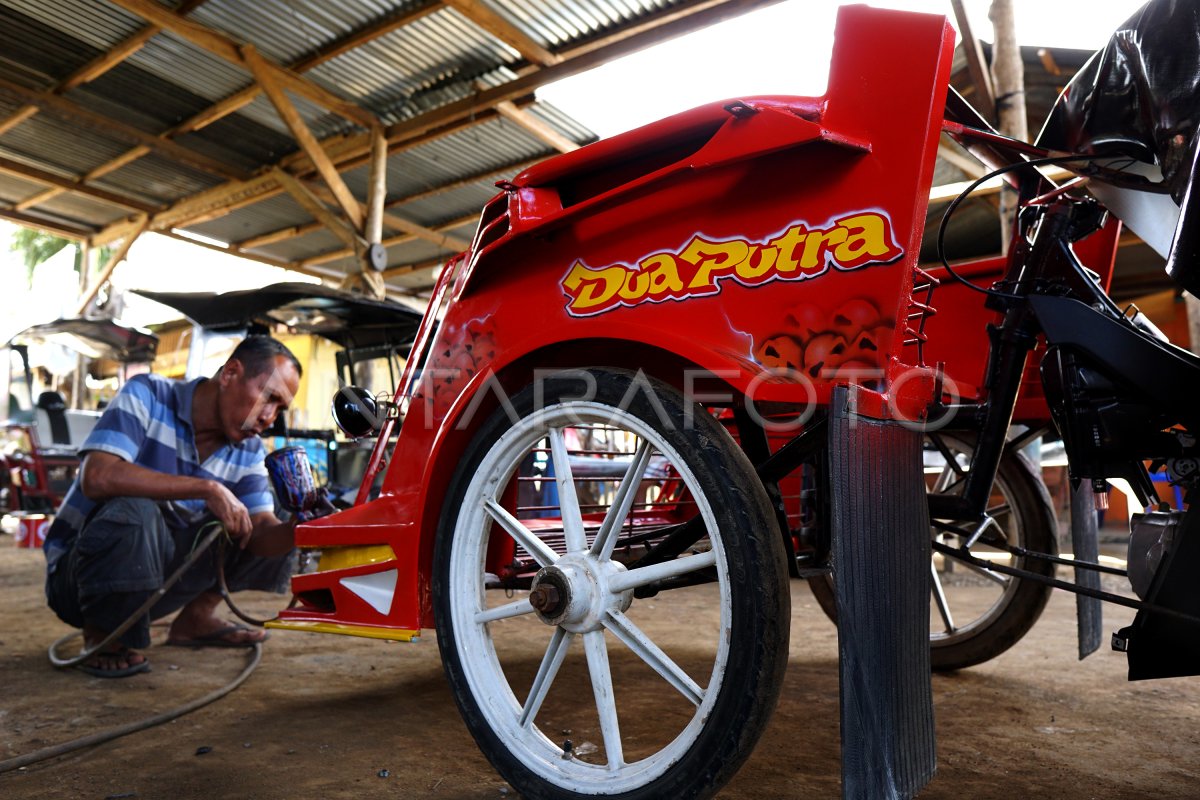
941,237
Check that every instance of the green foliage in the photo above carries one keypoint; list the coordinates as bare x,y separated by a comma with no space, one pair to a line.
36,247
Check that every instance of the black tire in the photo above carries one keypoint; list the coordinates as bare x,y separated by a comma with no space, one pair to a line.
1019,605
747,552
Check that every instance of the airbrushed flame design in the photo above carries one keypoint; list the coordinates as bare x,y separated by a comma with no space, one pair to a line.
799,252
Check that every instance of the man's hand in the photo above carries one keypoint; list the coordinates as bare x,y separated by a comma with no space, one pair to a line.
231,512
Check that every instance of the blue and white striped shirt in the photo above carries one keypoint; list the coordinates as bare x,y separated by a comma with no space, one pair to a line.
149,423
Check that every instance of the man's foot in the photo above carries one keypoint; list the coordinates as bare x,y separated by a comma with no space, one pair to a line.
198,625
115,661
228,635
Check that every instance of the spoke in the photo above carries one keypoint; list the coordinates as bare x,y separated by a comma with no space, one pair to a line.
939,597
568,500
991,576
1003,508
513,609
637,641
657,572
540,551
943,481
626,493
947,454
606,704
560,642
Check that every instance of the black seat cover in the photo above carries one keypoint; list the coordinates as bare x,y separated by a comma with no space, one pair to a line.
55,406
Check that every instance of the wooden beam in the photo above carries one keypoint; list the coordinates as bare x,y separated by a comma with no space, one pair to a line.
280,235
949,191
235,251
966,163
100,171
505,31
42,176
408,226
73,112
304,137
372,30
244,97
106,61
296,231
116,258
981,76
310,203
335,255
38,198
322,96
507,170
115,231
535,126
37,223
221,45
452,243
20,115
408,269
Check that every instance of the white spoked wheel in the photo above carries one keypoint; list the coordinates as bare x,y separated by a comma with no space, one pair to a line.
563,674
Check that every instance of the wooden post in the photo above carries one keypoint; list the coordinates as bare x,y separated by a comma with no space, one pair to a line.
116,258
378,191
1008,78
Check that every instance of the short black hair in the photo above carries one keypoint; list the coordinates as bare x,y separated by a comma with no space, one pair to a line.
257,354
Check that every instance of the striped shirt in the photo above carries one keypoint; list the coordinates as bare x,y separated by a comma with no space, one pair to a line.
149,423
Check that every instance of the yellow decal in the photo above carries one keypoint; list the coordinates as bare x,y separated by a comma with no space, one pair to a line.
697,269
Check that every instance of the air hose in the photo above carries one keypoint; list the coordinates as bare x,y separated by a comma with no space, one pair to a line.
207,535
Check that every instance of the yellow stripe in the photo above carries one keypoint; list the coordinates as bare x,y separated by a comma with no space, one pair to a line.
365,631
333,558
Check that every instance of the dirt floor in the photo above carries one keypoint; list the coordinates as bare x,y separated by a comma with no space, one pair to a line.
324,716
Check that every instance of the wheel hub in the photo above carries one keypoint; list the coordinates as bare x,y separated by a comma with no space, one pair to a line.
574,593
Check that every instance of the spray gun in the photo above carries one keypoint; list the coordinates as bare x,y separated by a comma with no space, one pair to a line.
295,488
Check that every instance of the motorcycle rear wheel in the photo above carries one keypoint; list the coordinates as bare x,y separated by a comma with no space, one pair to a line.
975,614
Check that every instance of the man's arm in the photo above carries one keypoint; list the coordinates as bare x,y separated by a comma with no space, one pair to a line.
104,475
271,537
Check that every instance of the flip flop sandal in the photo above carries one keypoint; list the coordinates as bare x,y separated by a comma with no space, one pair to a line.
116,672
216,638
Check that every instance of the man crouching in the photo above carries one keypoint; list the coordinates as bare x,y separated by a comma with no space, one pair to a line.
165,458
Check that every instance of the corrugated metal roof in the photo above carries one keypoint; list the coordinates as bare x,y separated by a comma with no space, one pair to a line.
60,145
280,211
439,58
388,73
98,24
13,189
84,209
321,241
157,179
555,23
177,61
286,30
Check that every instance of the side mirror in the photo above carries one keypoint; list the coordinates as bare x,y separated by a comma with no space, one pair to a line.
355,412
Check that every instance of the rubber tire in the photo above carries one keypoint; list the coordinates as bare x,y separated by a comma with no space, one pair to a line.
759,585
1035,515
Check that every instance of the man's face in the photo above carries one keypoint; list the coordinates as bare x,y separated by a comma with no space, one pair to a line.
248,405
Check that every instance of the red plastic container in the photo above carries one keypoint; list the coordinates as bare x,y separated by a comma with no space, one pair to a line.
31,530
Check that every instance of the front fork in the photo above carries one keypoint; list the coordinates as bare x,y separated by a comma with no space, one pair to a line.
1009,346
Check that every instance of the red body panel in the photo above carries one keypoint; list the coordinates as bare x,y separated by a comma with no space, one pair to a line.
771,241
